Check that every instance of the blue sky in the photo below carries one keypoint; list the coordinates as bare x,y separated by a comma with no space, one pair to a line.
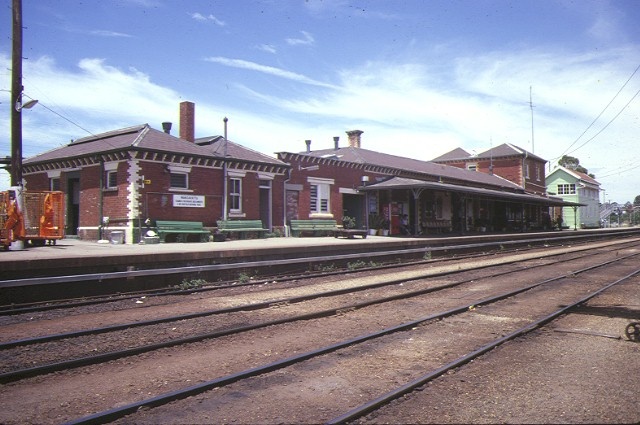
419,77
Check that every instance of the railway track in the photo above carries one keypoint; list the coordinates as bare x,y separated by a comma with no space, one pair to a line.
407,291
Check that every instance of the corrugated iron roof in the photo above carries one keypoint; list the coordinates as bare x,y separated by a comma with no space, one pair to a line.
143,137
365,156
406,183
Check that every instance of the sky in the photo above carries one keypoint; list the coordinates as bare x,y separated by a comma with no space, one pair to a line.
419,77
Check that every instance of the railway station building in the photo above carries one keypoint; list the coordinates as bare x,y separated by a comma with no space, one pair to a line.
393,193
124,179
117,180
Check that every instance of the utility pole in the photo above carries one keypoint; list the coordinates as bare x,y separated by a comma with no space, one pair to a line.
225,189
16,91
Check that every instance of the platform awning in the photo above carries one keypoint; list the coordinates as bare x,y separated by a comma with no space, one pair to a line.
396,183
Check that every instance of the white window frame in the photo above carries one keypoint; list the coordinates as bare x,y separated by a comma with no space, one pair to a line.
235,195
179,171
567,189
111,175
320,204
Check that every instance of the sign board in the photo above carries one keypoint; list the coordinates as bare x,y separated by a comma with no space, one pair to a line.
188,201
147,181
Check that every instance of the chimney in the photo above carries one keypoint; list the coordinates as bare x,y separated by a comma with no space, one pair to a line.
354,138
166,127
308,142
187,121
335,142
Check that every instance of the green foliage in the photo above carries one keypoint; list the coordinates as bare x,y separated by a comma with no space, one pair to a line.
326,268
359,264
244,278
427,255
190,284
573,163
348,222
277,233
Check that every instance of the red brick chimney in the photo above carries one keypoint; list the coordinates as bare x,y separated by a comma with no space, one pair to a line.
354,138
187,121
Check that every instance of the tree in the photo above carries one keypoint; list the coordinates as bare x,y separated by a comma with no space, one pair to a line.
573,163
636,202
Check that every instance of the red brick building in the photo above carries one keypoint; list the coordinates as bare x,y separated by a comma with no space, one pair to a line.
435,197
116,180
508,161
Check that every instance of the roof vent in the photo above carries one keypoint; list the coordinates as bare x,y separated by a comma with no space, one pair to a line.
166,127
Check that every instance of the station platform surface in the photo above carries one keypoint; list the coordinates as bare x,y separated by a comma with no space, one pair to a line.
73,256
73,248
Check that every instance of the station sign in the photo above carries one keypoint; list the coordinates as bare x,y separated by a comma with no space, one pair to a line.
188,201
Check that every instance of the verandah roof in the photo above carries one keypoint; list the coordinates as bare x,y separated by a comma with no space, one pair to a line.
395,183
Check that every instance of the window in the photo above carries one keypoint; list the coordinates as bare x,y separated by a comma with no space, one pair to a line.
319,202
566,189
472,167
526,171
111,180
320,196
54,183
179,180
537,172
235,194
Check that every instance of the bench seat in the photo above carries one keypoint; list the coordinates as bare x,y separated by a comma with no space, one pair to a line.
438,226
184,231
315,227
242,227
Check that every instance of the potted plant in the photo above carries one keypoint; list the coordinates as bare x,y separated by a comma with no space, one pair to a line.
348,222
385,227
375,223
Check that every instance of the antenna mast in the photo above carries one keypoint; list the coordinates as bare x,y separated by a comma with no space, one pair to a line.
533,149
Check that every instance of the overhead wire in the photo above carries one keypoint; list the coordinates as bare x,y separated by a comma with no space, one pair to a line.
598,117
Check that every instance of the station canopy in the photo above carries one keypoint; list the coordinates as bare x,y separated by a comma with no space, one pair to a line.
399,183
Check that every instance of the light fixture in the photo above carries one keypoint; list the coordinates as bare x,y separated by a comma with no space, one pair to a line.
28,105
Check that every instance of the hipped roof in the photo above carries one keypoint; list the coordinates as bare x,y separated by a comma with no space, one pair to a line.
369,157
144,138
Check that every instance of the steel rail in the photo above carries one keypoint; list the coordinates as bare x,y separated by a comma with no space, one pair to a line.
12,283
16,375
121,411
410,386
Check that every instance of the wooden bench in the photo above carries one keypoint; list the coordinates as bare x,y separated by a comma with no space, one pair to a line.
350,233
181,231
242,227
316,227
438,226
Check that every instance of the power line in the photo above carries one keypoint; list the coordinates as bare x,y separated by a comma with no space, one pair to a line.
607,125
599,115
63,117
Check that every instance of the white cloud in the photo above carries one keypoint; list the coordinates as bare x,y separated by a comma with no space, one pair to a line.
208,18
278,72
269,48
106,33
306,40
